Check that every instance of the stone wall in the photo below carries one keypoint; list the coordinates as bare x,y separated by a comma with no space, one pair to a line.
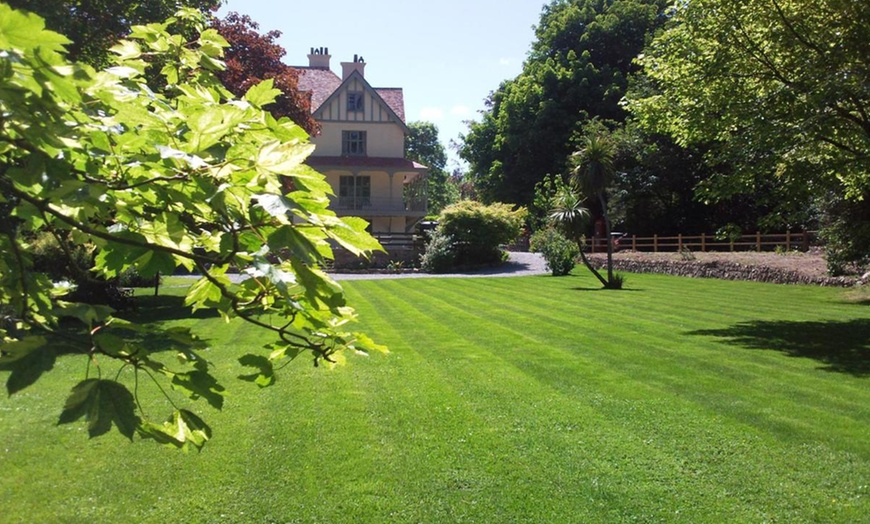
723,270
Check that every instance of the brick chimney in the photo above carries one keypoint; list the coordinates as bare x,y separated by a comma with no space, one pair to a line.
319,58
347,68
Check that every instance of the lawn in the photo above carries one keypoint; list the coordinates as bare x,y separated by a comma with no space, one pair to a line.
533,399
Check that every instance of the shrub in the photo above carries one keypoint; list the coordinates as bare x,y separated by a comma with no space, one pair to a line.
558,251
439,256
73,263
478,230
618,281
56,262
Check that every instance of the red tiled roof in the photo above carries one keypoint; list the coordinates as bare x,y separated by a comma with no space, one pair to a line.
363,161
319,82
395,98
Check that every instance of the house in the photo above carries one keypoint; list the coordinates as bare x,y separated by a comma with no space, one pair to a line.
361,145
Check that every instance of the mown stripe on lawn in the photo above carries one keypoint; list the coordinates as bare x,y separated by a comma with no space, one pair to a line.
421,297
528,401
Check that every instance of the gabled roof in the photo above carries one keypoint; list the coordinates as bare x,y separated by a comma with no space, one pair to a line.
322,84
356,75
395,98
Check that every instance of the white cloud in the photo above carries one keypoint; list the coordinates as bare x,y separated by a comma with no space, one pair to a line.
432,114
461,111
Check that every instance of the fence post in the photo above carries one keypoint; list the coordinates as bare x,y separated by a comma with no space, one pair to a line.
806,241
758,241
634,242
731,244
703,242
655,243
788,240
680,242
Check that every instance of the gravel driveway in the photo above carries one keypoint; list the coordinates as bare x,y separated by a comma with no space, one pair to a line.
518,265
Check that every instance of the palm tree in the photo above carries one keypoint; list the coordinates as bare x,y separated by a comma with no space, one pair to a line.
570,215
593,173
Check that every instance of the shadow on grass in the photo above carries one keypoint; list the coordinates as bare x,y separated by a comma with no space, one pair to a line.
71,338
842,346
162,308
623,290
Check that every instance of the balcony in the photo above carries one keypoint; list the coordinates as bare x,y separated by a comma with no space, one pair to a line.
378,206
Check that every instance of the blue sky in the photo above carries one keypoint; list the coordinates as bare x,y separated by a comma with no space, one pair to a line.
447,55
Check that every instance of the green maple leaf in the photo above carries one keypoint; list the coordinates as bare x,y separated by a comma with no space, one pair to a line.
351,234
180,430
288,237
263,93
19,30
283,158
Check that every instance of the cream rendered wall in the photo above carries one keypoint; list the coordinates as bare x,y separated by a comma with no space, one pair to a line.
380,184
385,140
384,134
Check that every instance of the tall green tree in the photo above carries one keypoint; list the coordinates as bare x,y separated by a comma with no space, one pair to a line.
422,145
577,70
655,190
191,177
93,26
778,86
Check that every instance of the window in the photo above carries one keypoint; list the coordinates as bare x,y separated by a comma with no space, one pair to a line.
353,143
355,101
354,192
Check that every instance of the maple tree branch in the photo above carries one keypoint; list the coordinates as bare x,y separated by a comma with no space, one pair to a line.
46,207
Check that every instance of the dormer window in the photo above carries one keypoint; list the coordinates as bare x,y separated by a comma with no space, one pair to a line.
355,101
353,143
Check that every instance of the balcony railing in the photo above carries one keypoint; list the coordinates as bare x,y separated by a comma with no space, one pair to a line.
378,206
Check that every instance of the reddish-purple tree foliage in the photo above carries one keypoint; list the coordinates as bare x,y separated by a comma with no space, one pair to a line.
253,57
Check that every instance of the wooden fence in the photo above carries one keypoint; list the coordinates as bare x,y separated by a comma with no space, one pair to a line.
408,242
753,242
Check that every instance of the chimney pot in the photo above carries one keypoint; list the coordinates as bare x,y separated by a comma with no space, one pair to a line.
347,68
319,58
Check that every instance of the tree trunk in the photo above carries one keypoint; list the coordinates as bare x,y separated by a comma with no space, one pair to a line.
588,265
607,239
